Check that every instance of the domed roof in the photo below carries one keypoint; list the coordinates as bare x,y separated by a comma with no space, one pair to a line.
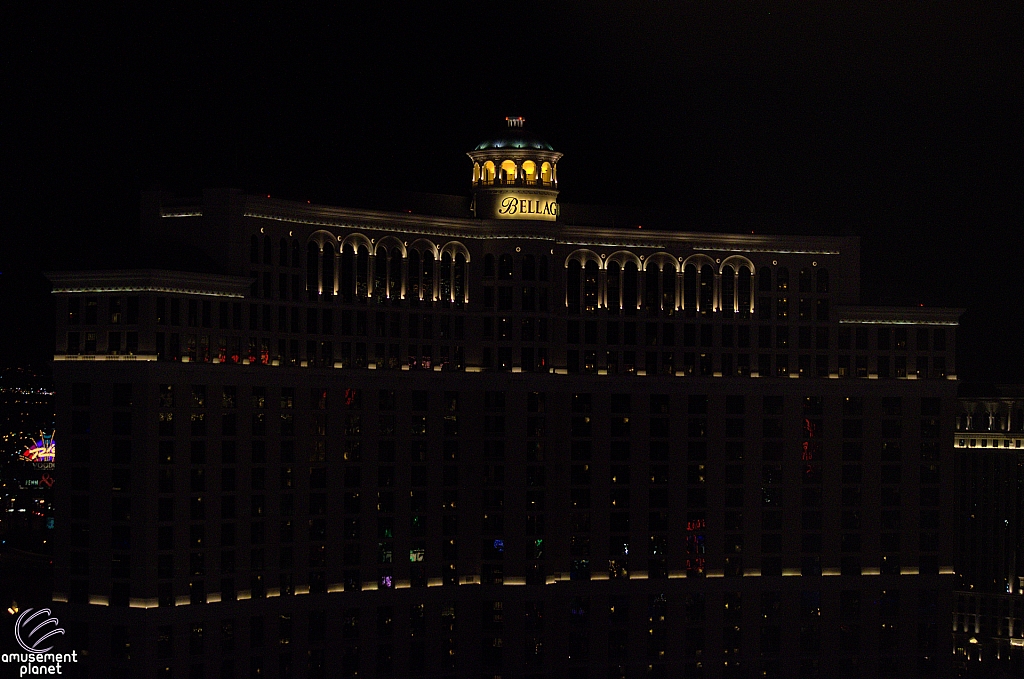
514,137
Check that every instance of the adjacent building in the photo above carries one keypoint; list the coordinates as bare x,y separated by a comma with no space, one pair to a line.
493,437
27,449
989,472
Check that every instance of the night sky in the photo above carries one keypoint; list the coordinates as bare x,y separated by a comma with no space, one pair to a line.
901,124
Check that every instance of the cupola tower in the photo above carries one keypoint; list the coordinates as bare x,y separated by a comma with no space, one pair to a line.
515,176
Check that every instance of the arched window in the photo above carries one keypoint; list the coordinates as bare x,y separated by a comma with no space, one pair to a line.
395,274
529,268
744,290
652,300
764,280
327,284
614,283
728,289
782,279
347,274
573,275
488,266
268,251
590,287
529,170
362,260
476,172
735,289
630,288
427,275
254,249
690,288
542,272
445,277
380,275
668,288
459,279
707,289
312,268
545,173
415,275
488,172
823,281
505,267
357,257
283,254
805,280
508,171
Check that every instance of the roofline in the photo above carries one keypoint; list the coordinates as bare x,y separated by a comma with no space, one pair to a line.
894,315
148,280
258,207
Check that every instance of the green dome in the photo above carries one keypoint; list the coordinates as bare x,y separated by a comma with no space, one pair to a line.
515,138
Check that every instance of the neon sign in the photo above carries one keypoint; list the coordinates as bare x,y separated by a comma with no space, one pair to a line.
43,450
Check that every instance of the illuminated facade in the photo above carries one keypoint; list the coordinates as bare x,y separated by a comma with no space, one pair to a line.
988,616
27,460
38,463
414,443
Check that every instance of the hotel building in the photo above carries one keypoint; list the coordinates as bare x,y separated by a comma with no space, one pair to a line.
492,437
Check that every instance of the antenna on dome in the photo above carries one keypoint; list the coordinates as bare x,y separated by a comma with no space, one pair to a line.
516,121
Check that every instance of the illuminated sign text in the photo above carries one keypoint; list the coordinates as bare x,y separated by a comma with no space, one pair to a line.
516,206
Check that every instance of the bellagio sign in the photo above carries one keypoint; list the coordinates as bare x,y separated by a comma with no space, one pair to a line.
525,206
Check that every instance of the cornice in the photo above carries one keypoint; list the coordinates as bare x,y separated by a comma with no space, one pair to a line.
892,315
149,280
514,154
465,227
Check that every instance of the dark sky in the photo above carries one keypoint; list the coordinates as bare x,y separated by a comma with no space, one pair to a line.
902,124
